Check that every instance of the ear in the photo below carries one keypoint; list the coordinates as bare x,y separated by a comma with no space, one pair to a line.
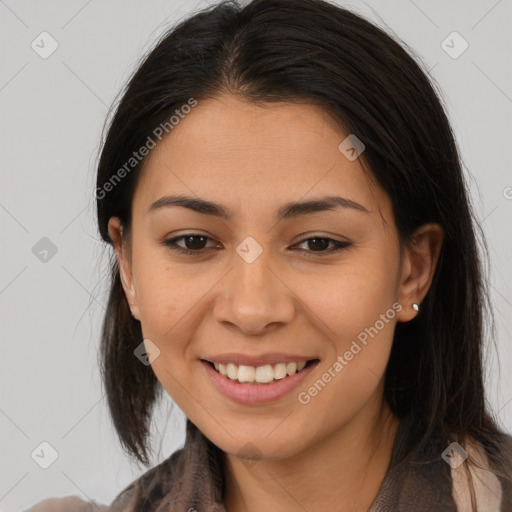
419,262
120,244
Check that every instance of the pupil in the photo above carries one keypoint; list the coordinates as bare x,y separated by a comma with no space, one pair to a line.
187,242
323,244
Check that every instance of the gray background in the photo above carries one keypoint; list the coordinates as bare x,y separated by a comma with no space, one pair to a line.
52,113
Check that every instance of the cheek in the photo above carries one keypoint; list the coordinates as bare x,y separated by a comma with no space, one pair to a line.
350,378
354,310
346,300
164,294
173,301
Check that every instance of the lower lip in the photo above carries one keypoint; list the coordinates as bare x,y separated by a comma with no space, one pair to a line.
256,394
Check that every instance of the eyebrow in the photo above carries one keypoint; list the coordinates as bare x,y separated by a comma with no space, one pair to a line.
286,211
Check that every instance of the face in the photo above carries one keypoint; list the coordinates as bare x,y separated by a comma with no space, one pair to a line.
267,285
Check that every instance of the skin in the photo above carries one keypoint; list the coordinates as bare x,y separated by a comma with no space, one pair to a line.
332,453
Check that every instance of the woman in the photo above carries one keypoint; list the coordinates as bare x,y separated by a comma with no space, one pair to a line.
297,267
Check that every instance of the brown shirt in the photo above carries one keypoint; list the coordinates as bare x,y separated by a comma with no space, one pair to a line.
191,480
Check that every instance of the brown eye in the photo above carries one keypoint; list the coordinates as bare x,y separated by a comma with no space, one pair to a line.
318,244
194,243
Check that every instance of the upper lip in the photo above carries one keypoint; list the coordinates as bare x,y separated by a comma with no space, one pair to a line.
259,360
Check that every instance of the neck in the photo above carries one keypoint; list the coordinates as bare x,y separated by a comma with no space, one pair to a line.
343,472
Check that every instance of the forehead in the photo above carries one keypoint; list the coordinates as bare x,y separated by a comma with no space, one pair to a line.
240,153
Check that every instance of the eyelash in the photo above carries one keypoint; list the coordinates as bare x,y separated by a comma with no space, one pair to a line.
171,243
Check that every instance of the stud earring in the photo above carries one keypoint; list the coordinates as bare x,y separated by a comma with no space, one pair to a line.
415,307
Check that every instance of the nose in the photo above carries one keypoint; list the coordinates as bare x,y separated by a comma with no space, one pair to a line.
254,297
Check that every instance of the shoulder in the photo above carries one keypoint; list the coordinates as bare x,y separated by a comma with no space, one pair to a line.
488,486
191,473
124,501
152,485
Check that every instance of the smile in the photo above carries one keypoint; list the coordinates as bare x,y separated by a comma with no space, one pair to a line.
259,374
258,385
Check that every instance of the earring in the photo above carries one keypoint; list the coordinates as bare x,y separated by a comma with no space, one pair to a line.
415,307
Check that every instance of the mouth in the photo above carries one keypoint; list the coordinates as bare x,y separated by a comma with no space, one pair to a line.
258,385
264,374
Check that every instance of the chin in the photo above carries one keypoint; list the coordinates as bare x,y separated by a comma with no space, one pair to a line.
265,442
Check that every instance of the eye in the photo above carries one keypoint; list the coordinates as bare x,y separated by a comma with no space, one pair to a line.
321,242
190,240
195,242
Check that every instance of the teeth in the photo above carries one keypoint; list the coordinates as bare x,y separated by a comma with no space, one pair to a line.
260,374
232,371
264,373
246,373
280,371
291,368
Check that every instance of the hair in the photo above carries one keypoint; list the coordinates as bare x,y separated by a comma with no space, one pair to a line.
314,52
